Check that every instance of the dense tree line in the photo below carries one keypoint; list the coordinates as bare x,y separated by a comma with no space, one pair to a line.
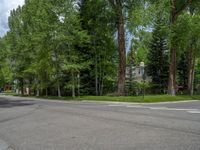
70,47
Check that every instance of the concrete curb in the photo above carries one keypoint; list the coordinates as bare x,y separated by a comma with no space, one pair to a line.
111,102
96,101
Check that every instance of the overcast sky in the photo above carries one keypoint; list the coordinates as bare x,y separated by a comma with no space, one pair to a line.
5,7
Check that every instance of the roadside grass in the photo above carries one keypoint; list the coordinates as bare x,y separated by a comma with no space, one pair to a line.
9,94
136,99
140,99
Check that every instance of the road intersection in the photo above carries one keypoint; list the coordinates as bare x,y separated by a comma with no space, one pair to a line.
36,124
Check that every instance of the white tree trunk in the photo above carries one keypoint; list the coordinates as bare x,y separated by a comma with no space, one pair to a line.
59,91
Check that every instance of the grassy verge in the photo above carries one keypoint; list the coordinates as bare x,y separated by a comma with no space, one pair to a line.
9,93
137,99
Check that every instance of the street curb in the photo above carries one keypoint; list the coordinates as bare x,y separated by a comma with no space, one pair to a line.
96,101
111,102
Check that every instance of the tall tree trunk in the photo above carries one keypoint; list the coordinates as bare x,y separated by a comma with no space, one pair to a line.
101,91
122,53
38,92
59,91
193,73
118,8
73,85
78,84
73,92
96,76
96,69
22,86
100,77
38,89
29,87
101,84
175,12
172,72
191,65
172,87
46,92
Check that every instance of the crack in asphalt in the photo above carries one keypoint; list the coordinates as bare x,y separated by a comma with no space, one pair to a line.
21,116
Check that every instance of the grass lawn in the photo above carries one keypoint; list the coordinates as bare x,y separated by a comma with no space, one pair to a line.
137,99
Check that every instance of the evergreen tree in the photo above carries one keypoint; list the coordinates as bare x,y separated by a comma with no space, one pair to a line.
182,72
158,59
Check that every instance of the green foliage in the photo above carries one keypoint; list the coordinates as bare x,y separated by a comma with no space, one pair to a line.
139,46
69,46
97,19
197,76
42,39
157,66
182,71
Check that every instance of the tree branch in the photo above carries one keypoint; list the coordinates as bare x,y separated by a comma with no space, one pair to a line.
183,6
173,4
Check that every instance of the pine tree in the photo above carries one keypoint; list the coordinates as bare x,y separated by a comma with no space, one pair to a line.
158,59
182,71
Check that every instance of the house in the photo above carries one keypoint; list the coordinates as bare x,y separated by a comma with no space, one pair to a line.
136,73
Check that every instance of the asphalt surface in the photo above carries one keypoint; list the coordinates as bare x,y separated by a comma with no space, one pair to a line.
29,124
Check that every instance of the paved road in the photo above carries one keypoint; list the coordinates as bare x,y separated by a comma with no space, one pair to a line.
28,124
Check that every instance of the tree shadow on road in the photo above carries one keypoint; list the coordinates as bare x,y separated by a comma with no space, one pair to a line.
4,103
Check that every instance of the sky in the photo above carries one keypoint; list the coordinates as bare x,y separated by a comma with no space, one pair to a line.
5,7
